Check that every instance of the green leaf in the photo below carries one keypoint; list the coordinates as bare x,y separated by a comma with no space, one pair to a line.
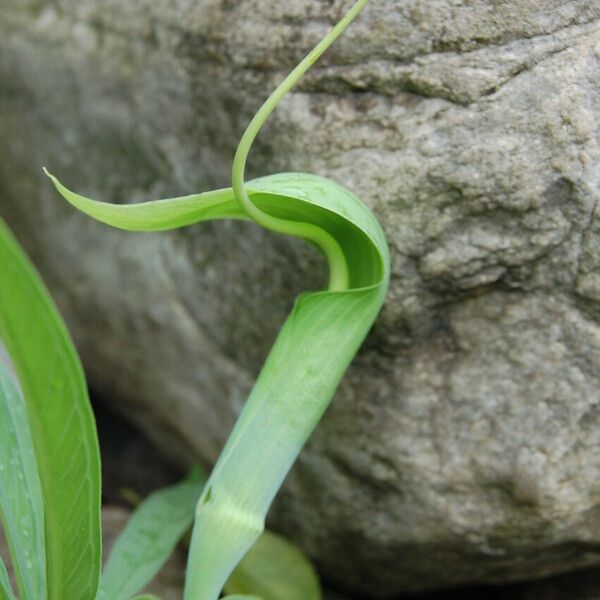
146,597
6,592
61,422
149,538
21,505
275,569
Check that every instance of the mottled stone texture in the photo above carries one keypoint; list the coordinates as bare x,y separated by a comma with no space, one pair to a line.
463,445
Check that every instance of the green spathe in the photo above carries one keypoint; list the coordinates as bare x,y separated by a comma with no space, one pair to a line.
308,359
313,349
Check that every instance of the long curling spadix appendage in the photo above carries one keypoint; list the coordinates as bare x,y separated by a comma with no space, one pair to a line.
338,268
312,351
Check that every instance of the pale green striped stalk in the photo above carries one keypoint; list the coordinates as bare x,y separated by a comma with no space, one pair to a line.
312,351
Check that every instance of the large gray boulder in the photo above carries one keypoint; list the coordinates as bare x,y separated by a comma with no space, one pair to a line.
463,444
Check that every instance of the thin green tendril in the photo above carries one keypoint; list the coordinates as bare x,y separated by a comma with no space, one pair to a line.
338,267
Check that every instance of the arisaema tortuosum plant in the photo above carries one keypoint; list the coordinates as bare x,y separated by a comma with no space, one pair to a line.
312,351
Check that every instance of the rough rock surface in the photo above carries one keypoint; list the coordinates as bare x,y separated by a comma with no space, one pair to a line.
463,445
